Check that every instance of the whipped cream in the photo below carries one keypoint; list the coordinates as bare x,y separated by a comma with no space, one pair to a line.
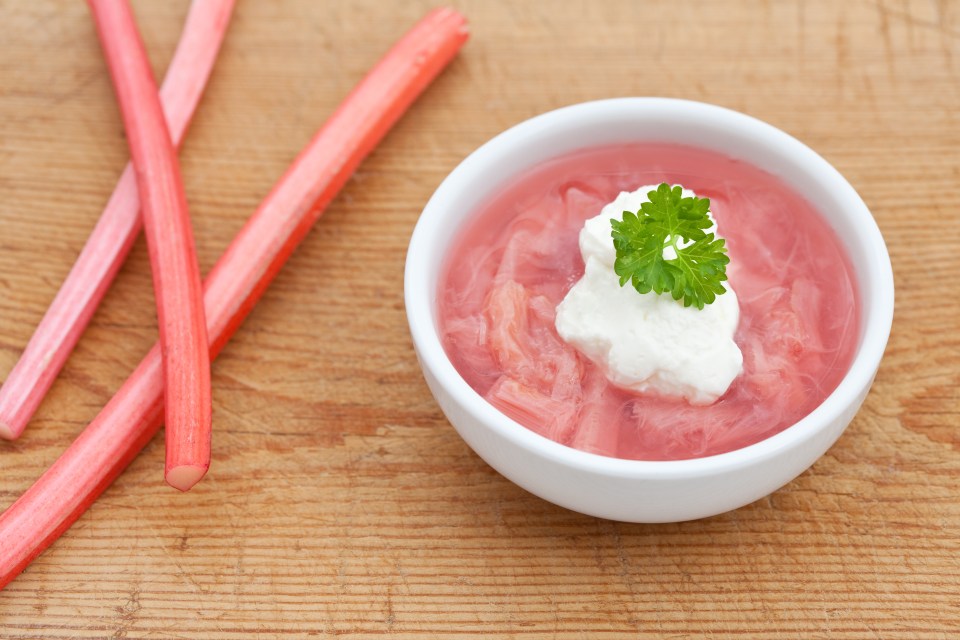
647,342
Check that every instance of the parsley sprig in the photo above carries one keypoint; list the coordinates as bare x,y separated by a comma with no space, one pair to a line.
697,272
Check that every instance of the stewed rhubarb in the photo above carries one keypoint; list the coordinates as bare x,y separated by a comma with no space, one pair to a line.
518,257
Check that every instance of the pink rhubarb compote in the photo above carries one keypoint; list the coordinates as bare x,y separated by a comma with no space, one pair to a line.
515,260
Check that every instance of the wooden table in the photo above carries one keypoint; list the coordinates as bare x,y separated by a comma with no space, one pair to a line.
341,502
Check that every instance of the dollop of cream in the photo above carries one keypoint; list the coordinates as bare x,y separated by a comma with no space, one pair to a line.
647,342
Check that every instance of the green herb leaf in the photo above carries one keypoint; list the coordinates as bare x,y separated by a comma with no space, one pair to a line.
696,274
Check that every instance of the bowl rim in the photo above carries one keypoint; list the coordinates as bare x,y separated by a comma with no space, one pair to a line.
878,317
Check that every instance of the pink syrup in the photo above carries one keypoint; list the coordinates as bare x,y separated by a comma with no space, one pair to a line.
517,258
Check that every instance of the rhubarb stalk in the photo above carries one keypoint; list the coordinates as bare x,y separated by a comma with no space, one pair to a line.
232,288
176,275
114,235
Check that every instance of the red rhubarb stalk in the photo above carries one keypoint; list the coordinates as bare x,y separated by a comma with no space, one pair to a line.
176,275
232,288
115,233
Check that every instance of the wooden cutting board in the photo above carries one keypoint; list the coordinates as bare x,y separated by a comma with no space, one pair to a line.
340,501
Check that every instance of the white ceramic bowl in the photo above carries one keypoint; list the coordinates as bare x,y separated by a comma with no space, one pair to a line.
630,490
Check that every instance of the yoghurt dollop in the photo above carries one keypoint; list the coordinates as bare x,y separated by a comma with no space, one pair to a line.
647,343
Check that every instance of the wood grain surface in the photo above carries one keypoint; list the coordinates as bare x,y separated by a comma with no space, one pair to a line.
340,501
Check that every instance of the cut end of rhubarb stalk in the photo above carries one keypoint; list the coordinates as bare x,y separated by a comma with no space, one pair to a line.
6,431
185,476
